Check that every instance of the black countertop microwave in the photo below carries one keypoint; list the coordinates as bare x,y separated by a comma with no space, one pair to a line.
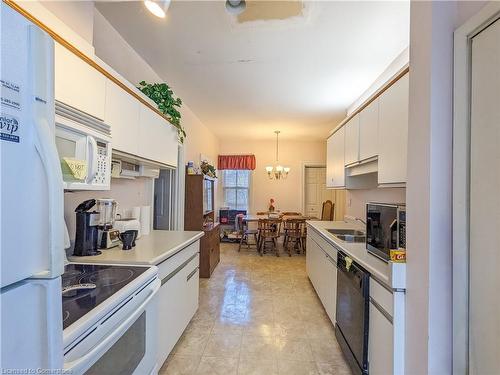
385,228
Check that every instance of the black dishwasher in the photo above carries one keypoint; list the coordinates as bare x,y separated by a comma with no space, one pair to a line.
351,328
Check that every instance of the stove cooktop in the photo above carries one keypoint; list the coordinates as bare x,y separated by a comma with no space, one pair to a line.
101,282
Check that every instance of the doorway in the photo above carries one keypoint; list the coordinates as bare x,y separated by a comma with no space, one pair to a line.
315,193
476,202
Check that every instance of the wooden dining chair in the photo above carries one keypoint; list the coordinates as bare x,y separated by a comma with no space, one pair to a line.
294,231
327,211
245,233
269,232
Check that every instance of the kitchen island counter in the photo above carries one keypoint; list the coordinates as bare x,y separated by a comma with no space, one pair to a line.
151,249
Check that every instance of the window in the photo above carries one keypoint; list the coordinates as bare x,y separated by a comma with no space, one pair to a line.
236,187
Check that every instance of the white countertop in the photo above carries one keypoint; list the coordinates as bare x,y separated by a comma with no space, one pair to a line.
151,249
390,274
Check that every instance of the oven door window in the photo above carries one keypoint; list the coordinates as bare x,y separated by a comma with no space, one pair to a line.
126,354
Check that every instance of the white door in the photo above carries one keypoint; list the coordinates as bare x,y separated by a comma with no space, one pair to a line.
393,133
31,324
315,190
31,206
484,258
352,140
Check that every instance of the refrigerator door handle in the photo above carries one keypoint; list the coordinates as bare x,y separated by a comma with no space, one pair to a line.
50,160
42,107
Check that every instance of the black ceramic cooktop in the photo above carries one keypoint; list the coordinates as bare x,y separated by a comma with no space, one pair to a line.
107,280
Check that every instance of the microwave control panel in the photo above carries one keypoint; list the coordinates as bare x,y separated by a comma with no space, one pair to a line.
103,169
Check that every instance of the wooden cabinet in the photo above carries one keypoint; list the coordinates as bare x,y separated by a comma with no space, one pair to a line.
78,84
352,140
393,133
199,215
368,131
178,297
335,173
122,114
209,251
157,138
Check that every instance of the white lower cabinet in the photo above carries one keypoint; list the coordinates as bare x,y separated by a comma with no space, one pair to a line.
322,271
178,297
380,343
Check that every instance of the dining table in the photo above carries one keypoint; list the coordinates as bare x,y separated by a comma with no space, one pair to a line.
249,218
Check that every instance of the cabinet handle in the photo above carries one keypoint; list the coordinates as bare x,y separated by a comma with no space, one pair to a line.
178,269
381,309
192,273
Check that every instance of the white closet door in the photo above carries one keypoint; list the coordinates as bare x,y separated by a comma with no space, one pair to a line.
484,299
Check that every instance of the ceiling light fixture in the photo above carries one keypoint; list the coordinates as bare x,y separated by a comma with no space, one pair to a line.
277,172
157,7
235,6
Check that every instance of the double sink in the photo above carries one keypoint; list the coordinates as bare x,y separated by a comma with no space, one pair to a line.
348,235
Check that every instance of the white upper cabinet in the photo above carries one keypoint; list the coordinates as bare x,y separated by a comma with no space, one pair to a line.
78,84
122,114
352,140
335,172
157,138
368,131
393,133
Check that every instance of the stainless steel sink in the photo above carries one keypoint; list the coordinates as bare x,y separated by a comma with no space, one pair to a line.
348,235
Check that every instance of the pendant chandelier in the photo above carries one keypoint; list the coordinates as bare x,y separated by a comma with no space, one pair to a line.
277,172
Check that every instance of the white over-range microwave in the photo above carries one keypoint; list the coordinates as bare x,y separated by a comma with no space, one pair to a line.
84,146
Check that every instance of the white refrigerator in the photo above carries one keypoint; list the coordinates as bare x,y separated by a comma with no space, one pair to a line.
31,220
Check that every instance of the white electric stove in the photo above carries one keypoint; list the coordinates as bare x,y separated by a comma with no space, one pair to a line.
109,319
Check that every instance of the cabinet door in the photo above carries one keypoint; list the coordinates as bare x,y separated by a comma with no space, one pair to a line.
122,114
313,264
78,84
157,138
352,140
380,343
393,133
338,146
331,288
329,162
368,131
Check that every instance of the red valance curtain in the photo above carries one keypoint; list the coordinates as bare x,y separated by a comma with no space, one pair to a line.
236,162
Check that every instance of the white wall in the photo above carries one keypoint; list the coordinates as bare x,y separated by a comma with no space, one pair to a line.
127,193
288,193
356,199
429,187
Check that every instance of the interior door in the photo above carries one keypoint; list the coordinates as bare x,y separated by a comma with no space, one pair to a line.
484,257
315,190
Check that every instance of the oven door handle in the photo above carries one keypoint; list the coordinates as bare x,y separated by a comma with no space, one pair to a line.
79,365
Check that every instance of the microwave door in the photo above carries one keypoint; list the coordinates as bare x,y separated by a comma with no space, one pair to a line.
393,239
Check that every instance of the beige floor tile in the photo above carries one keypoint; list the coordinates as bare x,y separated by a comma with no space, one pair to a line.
217,366
333,368
258,347
326,350
261,327
228,327
224,346
252,366
291,329
191,343
288,367
180,365
294,349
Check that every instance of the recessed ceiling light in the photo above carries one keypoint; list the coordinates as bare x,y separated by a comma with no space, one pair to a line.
158,8
235,6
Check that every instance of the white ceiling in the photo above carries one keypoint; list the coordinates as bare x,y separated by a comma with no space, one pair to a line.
247,79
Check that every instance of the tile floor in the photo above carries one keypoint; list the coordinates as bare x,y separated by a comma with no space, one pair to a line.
257,316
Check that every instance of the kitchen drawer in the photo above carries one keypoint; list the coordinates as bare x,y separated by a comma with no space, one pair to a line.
381,296
326,246
169,265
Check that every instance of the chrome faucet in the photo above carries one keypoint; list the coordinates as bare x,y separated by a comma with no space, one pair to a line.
361,220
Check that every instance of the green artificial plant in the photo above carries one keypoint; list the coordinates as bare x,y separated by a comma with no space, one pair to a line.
163,96
208,169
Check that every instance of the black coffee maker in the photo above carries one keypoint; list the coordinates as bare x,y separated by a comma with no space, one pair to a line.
86,229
